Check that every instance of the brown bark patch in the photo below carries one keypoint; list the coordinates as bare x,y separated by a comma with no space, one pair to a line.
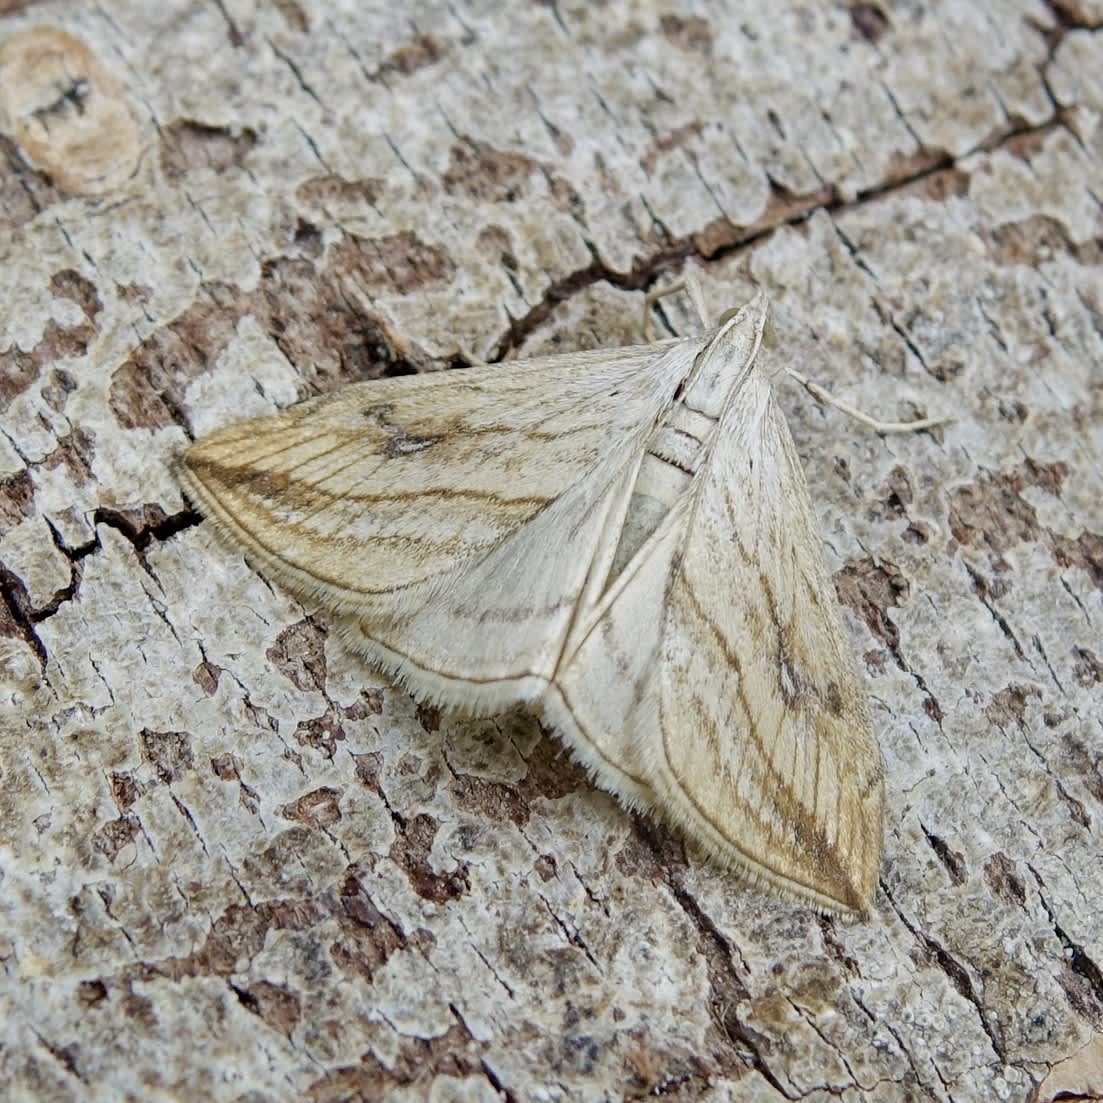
651,1069
91,992
871,589
24,190
206,676
690,33
1009,705
1027,144
1049,477
496,245
126,789
990,589
276,1005
410,852
479,171
114,835
139,1009
1003,880
324,192
650,852
401,262
418,1061
666,142
57,389
1080,979
15,613
19,369
418,53
366,705
70,284
1076,14
239,934
428,716
137,294
322,733
893,497
782,207
1087,764
943,184
566,198
1087,669
953,861
227,767
869,21
294,15
368,937
299,654
552,773
492,800
147,391
308,313
320,808
75,452
1085,552
169,753
916,167
16,499
1033,241
368,768
546,867
187,146
992,512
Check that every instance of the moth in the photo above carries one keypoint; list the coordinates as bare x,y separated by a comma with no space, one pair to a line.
621,540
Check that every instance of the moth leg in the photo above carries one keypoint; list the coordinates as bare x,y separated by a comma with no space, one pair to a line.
697,297
471,359
650,299
826,398
690,286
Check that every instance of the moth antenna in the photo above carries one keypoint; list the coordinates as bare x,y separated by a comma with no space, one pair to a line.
878,426
650,299
690,286
697,296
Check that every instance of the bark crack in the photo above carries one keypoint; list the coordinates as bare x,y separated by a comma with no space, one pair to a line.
956,973
24,615
795,210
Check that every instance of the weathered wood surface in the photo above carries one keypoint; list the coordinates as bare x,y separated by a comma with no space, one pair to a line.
236,866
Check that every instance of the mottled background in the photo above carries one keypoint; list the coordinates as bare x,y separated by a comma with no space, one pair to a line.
236,866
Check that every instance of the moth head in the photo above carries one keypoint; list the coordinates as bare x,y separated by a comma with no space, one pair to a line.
754,315
743,330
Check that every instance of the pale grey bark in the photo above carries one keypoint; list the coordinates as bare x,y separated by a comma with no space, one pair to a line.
234,865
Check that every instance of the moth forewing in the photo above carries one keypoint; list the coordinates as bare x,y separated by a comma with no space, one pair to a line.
369,499
763,747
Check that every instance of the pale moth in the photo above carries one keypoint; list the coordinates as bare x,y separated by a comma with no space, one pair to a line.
620,539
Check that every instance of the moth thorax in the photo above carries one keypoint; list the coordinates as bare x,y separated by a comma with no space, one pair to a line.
664,476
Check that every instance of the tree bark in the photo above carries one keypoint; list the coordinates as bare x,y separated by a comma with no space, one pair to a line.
237,865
